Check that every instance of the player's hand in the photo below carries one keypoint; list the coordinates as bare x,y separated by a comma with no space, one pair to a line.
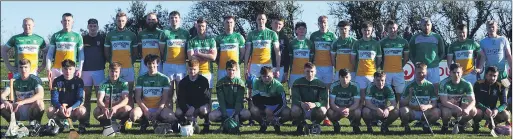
488,112
495,112
190,112
466,112
16,106
305,106
112,113
345,111
49,74
386,112
63,110
477,70
68,112
276,73
146,113
78,73
424,107
285,77
106,112
380,112
311,105
8,106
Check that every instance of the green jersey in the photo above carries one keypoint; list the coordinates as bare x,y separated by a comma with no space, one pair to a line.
428,49
322,43
26,47
393,50
425,92
342,49
366,53
309,91
230,93
152,87
205,46
175,41
302,52
117,89
273,89
149,41
464,53
25,89
121,44
379,97
456,93
229,48
65,45
344,96
262,43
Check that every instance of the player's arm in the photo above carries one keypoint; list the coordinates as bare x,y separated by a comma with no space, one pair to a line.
190,50
81,56
502,99
333,54
6,56
239,99
277,52
446,103
406,54
323,101
49,57
332,101
138,99
100,97
379,57
296,97
162,45
124,97
79,96
507,52
242,48
479,99
368,100
106,48
391,98
180,97
221,99
39,93
441,47
356,98
353,56
450,56
55,96
3,96
247,54
412,49
165,93
286,61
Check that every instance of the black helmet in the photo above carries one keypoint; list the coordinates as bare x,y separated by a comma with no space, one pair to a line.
50,129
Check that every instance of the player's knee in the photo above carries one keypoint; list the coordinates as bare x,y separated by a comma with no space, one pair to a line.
136,113
244,115
167,115
97,113
203,111
214,116
357,112
296,111
178,112
255,112
366,112
39,105
269,112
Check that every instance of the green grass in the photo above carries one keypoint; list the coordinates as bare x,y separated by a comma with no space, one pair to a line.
251,132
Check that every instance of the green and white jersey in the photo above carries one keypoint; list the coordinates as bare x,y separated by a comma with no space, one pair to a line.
149,41
175,41
344,97
427,49
262,43
121,44
464,53
117,89
302,52
425,92
393,50
456,93
152,87
229,48
379,97
205,46
273,89
342,49
26,47
25,89
67,45
322,43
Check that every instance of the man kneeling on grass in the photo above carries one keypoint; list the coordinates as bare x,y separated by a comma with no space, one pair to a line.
28,97
151,94
425,92
193,97
230,94
379,103
67,96
345,102
269,104
113,92
309,99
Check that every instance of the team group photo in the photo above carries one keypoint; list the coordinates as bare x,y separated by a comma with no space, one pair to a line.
257,69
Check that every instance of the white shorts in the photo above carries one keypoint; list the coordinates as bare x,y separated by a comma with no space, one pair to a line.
254,69
143,69
174,71
396,80
56,73
221,73
294,77
127,74
325,74
433,75
471,77
353,76
209,78
364,81
93,78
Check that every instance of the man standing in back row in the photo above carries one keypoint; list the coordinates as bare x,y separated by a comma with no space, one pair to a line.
496,51
277,26
149,40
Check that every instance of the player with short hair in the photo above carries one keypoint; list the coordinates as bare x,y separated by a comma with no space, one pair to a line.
149,39
379,103
495,50
309,99
64,44
345,102
301,53
395,55
231,47
203,48
464,51
457,97
26,45
121,46
277,24
423,90
341,49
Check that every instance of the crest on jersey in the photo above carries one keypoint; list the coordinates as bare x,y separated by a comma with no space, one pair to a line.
34,41
72,38
494,92
98,43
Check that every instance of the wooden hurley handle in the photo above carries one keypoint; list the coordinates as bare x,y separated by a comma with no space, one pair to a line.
11,90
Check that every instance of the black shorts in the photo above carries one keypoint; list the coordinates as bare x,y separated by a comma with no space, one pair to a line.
274,103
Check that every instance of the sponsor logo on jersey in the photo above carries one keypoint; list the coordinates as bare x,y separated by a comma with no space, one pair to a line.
175,43
366,54
301,53
322,45
150,43
228,46
65,46
28,49
120,45
464,54
260,44
423,39
493,51
344,51
392,51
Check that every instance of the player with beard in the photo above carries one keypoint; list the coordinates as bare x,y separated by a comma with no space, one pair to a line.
148,39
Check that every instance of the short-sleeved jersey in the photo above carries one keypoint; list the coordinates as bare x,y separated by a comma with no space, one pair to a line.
229,48
152,88
456,93
425,92
175,41
427,49
121,44
262,43
342,49
379,97
205,46
366,53
393,50
273,89
67,46
117,89
464,53
149,41
344,96
25,89
322,43
495,50
302,51
26,47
